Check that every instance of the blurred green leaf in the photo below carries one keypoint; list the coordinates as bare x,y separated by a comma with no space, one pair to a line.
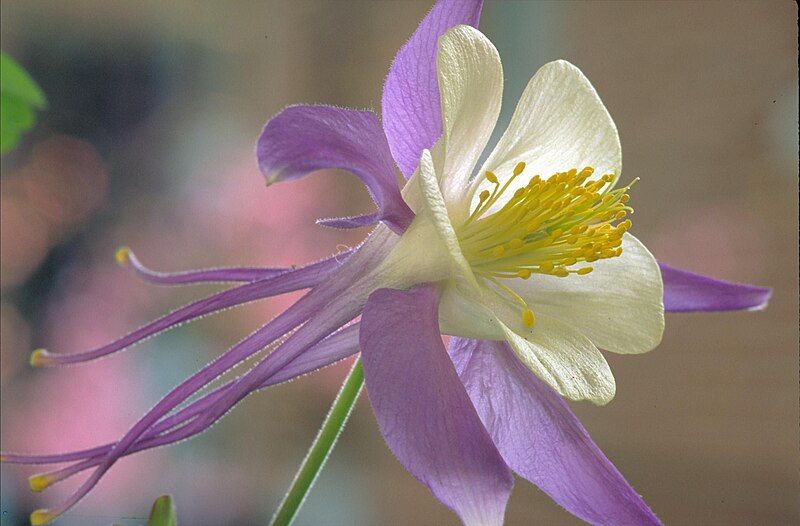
20,96
163,512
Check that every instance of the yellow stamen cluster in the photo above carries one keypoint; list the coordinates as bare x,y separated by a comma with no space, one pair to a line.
548,226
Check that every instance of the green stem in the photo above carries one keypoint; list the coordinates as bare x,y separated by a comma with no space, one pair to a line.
321,448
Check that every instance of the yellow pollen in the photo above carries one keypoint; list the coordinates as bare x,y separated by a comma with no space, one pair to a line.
121,255
41,517
549,226
39,358
40,482
528,318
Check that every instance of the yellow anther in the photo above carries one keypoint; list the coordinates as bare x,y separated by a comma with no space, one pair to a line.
528,318
40,482
41,517
595,186
122,255
39,358
550,226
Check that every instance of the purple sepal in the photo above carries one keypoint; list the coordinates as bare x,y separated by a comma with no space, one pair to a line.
423,412
191,277
410,103
350,222
332,349
541,439
302,139
688,292
324,309
288,281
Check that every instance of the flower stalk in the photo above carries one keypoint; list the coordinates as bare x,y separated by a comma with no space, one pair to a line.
321,447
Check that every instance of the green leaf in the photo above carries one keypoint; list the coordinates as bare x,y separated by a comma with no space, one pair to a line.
163,512
20,96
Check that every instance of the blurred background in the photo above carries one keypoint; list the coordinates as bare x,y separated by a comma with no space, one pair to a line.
149,142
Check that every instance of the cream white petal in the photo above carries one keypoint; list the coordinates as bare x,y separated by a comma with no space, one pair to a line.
619,305
559,123
471,89
554,351
564,358
463,312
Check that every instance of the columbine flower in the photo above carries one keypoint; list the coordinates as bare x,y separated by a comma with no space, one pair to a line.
528,264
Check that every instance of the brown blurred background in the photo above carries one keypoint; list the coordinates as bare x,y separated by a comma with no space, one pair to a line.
154,110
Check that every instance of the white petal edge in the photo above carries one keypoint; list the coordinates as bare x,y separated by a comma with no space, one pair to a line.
554,351
559,123
619,306
471,90
567,360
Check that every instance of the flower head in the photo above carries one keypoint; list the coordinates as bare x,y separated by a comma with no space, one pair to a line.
527,261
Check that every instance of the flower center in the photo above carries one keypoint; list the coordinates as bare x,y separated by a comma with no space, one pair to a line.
549,226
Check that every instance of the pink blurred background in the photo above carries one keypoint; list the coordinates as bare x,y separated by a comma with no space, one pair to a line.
148,142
